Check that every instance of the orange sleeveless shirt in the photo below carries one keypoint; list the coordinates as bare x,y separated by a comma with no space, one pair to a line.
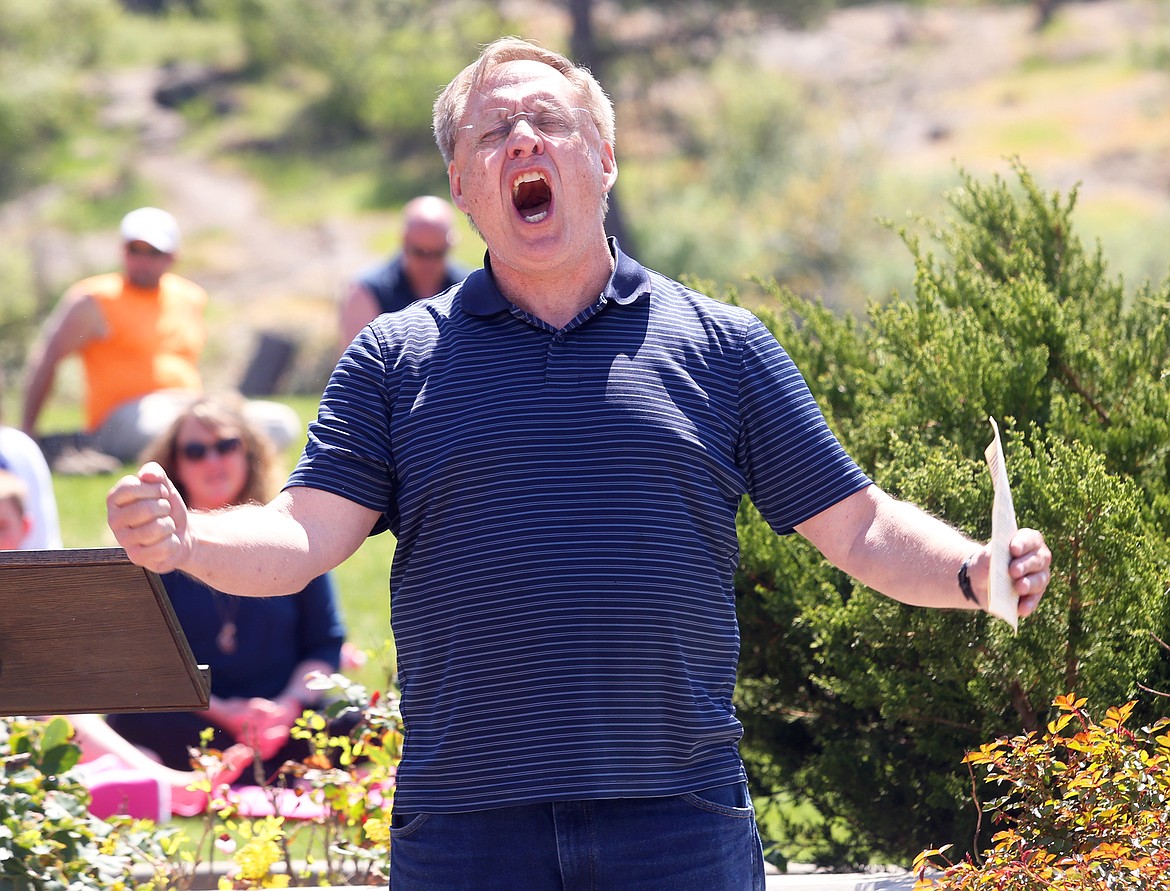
153,341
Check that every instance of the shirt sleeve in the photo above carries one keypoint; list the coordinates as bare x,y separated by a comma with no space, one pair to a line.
348,451
795,467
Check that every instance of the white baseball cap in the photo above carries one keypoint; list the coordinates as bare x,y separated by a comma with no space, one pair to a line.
156,227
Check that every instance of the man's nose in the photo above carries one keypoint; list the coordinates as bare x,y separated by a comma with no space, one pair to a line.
524,139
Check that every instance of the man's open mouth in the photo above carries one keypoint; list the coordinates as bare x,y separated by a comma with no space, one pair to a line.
532,196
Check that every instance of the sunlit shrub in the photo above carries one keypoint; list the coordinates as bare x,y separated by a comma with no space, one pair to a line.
1083,805
49,840
351,776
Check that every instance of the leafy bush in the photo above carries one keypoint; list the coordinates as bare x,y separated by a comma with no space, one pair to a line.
50,841
48,838
862,706
380,59
1083,806
41,66
717,149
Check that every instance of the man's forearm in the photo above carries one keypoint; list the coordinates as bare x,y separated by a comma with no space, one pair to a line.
915,558
250,550
900,550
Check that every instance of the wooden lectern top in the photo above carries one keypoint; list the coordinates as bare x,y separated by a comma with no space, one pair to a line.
85,630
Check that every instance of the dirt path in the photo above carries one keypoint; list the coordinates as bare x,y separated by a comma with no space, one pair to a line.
243,253
262,274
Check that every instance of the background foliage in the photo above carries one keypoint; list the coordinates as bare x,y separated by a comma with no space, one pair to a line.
866,707
327,103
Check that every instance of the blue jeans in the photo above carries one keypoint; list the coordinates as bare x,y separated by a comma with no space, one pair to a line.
700,841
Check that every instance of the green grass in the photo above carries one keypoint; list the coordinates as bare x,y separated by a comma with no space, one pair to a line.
147,40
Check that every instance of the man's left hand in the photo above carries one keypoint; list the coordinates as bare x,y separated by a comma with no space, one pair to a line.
1030,568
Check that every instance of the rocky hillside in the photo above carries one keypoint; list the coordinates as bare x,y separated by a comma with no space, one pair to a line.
1083,102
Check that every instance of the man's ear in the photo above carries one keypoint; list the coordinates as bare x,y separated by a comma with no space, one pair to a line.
456,187
608,165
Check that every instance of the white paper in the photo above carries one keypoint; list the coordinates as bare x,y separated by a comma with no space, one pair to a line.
1002,599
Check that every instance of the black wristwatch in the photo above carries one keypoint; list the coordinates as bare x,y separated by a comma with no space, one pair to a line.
965,581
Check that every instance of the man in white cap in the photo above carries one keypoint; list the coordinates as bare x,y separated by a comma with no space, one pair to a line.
140,333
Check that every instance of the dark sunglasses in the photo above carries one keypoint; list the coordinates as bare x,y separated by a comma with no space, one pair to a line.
424,254
144,250
197,451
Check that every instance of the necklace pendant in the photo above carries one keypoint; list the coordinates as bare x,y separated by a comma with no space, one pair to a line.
226,639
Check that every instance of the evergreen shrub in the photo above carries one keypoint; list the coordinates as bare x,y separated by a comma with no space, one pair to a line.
863,707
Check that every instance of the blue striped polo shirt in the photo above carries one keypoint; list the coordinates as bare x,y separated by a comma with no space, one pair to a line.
564,504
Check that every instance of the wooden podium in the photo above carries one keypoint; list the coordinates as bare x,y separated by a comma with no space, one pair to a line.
86,630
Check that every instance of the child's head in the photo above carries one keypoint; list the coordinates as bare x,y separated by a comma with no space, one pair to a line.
14,522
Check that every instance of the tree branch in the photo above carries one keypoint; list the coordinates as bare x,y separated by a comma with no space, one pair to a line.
1023,707
1070,378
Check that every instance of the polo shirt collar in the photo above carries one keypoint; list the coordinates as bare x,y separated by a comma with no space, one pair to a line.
630,282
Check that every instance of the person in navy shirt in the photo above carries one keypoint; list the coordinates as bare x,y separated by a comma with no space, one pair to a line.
259,651
559,446
420,270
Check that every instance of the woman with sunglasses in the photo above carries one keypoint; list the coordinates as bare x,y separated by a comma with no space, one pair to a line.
259,649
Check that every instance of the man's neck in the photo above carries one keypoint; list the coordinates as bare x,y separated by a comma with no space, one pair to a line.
425,288
557,296
151,284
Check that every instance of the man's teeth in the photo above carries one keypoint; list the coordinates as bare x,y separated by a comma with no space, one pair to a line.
524,179
531,177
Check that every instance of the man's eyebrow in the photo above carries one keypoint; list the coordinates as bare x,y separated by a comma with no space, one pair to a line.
536,99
